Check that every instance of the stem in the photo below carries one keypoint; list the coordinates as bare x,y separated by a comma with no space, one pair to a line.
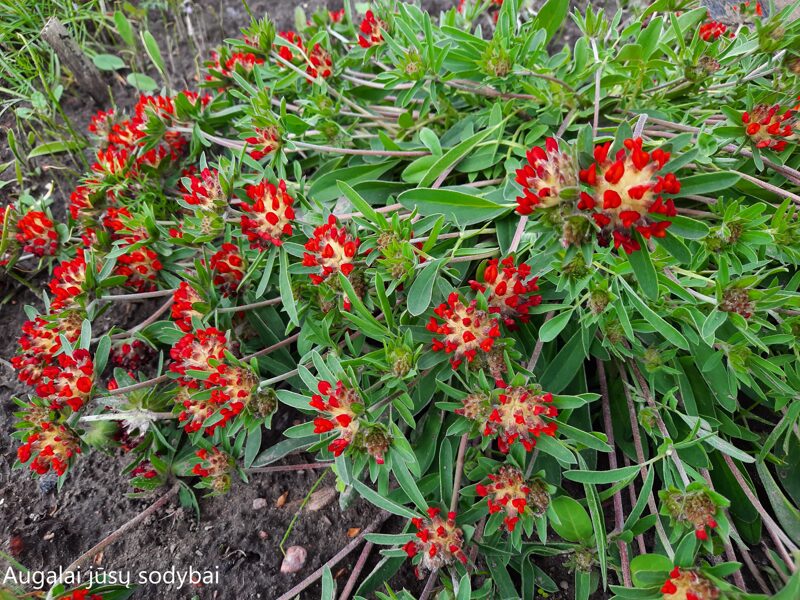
462,450
383,209
351,581
619,521
428,589
537,350
136,386
290,340
244,307
129,415
139,296
360,151
768,186
292,593
148,321
298,467
598,74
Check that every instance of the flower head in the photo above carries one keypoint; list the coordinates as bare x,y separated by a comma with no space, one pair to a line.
37,234
101,122
228,269
269,216
438,541
338,406
68,380
140,267
508,492
214,467
320,62
265,141
626,190
51,447
41,341
464,329
737,300
82,201
711,30
195,351
331,249
242,62
370,31
130,354
521,414
769,126
686,584
694,507
510,289
183,301
205,191
547,173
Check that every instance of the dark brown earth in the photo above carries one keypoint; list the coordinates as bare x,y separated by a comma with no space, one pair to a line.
44,530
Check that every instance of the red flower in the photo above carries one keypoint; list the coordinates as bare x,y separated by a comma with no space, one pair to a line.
68,380
371,30
768,127
509,290
711,30
41,341
245,61
194,351
111,162
519,415
227,391
101,122
320,62
183,310
51,447
438,541
67,283
130,355
336,16
509,492
270,216
37,234
464,330
285,52
332,249
214,467
82,201
685,584
265,141
205,191
140,267
228,269
625,191
547,173
339,413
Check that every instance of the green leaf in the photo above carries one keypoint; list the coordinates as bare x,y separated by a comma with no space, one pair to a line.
644,270
421,292
55,148
252,446
124,28
153,52
285,284
685,227
598,477
550,17
453,156
282,448
550,330
645,568
108,62
361,205
713,321
406,481
375,498
570,520
706,183
661,326
142,82
463,209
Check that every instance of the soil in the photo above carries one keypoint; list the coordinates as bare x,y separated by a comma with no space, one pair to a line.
43,529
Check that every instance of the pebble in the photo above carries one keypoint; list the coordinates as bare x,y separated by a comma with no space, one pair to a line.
259,503
294,560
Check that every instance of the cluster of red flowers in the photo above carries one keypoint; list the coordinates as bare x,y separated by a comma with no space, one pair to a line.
548,172
332,249
214,467
83,594
130,354
769,126
208,385
50,446
227,266
270,215
183,301
37,234
68,380
521,414
685,584
40,342
205,191
339,413
265,141
317,60
370,31
507,492
711,30
439,542
510,290
237,62
464,330
624,191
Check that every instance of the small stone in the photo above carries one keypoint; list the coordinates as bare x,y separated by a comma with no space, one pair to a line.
281,499
263,535
294,560
259,503
353,532
320,499
48,536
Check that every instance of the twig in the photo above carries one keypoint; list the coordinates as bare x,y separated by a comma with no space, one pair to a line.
139,296
537,350
360,151
359,566
619,522
598,74
254,305
136,386
462,450
112,537
148,321
428,589
283,468
292,593
290,340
